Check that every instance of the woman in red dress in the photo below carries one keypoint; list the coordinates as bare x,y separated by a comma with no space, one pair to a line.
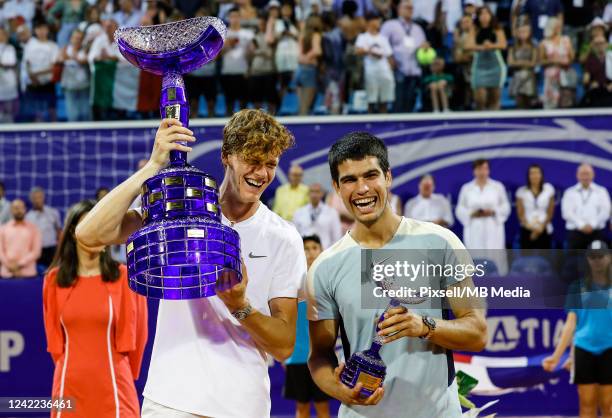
96,328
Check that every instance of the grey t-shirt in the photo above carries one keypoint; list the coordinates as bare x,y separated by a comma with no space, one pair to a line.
420,375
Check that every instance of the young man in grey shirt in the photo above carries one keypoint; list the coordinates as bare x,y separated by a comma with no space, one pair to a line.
417,341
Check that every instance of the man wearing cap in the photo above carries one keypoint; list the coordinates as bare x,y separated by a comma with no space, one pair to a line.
586,210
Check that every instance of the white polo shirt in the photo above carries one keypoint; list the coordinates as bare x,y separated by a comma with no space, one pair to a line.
429,209
581,207
323,221
203,360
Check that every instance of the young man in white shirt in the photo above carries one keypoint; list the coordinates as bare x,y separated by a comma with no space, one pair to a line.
586,210
379,81
316,218
210,355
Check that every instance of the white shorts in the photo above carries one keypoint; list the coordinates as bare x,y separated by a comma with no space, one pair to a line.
380,89
152,409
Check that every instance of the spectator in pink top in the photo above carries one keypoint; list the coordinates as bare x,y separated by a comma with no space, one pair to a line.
20,244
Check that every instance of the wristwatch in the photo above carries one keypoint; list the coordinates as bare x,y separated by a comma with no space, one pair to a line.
242,313
430,323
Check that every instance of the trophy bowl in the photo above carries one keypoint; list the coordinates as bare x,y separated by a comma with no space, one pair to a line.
183,249
184,45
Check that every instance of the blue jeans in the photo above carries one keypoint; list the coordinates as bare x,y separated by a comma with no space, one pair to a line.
63,36
78,108
306,76
406,90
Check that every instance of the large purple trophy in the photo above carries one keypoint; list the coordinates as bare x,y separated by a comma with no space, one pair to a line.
182,249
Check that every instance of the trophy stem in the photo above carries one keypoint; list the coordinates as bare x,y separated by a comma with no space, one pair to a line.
174,104
375,347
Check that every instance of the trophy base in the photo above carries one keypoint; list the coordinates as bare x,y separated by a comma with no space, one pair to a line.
368,371
183,258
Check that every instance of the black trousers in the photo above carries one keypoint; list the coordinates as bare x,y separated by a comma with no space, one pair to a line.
577,240
46,256
542,242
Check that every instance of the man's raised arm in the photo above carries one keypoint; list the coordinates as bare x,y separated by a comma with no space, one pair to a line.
110,222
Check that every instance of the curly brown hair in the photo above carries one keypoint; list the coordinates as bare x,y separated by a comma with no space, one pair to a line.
255,136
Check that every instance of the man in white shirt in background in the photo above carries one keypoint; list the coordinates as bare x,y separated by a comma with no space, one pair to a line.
429,206
210,355
585,207
316,218
379,81
48,221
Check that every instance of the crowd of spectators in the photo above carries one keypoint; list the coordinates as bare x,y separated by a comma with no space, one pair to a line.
29,237
312,56
482,208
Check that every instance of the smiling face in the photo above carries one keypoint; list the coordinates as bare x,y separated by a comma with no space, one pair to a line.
364,188
248,179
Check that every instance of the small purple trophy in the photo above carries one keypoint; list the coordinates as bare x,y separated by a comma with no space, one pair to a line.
182,249
367,367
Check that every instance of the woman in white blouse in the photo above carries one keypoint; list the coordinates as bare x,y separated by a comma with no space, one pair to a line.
535,206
